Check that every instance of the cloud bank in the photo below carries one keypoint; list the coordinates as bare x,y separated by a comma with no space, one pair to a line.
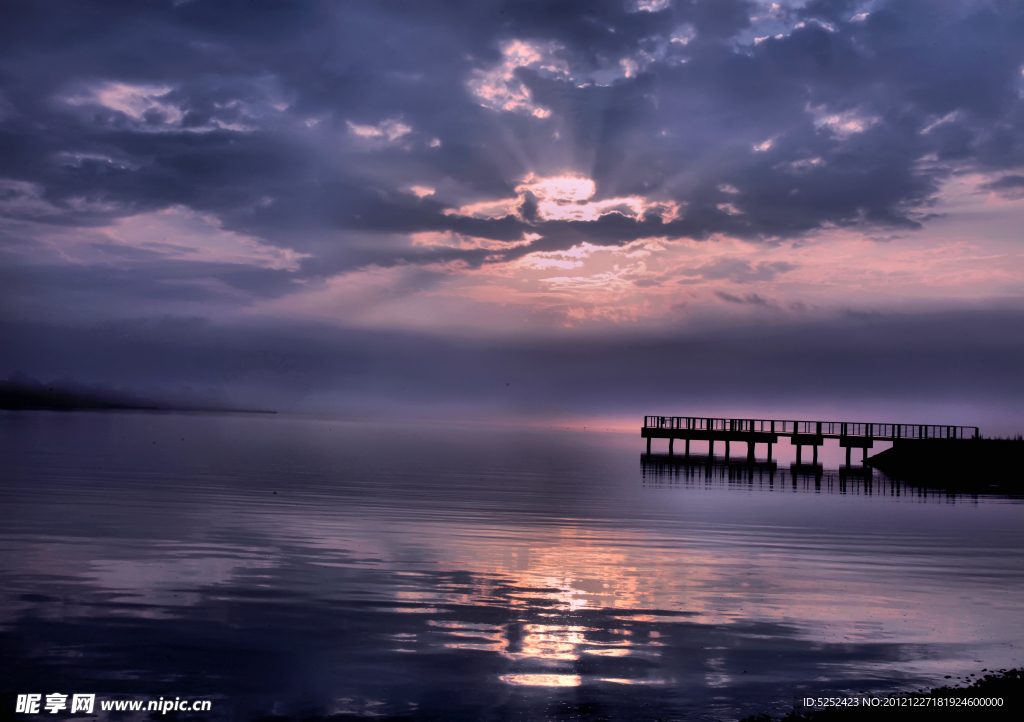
509,169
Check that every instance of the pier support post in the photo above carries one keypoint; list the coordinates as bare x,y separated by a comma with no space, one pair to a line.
727,450
750,452
769,452
864,456
648,445
799,447
671,445
815,462
711,449
687,448
847,455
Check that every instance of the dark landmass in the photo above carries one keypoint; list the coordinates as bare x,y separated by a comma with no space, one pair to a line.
21,393
961,465
1007,685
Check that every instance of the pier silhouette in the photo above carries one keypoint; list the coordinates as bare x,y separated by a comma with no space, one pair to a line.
851,435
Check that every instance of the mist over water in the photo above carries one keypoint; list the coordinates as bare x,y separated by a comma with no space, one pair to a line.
287,566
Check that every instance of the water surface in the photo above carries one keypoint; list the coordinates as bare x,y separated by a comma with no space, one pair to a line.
312,568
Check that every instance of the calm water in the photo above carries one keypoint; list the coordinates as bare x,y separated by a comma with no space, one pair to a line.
292,567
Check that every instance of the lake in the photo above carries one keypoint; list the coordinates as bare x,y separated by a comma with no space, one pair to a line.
298,567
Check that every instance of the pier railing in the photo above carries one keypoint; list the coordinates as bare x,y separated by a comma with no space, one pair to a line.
827,429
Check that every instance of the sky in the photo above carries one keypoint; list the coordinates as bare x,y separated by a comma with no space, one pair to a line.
548,208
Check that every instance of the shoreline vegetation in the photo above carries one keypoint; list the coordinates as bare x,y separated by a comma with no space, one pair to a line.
22,393
1007,685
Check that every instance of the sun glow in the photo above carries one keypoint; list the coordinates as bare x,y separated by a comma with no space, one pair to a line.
567,197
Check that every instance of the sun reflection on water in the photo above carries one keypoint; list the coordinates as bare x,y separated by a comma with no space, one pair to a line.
542,680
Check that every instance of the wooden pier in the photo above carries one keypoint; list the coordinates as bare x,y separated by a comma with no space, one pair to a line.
851,435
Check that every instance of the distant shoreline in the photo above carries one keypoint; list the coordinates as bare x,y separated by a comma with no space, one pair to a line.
168,409
30,395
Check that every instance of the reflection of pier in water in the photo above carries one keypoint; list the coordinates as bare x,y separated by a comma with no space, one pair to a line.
662,471
851,435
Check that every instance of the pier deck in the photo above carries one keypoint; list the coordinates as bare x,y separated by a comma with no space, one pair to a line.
851,435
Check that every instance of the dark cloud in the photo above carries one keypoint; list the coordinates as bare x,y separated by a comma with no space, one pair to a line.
738,270
249,107
1007,181
751,299
1009,185
307,125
